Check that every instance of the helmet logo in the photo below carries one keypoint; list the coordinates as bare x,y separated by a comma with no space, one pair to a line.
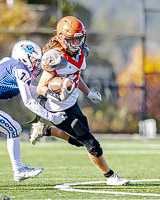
30,49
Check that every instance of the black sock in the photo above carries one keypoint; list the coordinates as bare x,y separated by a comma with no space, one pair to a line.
47,130
110,173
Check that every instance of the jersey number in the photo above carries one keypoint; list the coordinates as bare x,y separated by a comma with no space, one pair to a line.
23,74
75,78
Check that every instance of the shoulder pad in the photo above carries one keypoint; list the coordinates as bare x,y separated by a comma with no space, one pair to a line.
86,50
51,60
5,59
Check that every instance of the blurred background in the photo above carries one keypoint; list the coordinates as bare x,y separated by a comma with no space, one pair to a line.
124,61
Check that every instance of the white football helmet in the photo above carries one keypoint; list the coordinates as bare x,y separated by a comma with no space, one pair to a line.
27,52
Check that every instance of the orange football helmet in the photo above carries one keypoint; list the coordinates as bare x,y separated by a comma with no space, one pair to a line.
71,33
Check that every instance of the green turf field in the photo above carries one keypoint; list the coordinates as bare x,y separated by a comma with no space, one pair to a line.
63,163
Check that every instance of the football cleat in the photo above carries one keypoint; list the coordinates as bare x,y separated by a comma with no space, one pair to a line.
26,172
117,180
36,132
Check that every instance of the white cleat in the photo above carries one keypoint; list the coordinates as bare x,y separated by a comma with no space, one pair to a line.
36,132
117,180
26,172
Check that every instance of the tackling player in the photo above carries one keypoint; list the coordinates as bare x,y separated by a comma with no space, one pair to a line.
15,77
65,55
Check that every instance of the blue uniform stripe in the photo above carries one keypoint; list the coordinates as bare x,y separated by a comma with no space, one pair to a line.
8,126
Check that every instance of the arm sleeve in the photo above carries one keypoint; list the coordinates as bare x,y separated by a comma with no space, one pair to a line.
33,90
31,103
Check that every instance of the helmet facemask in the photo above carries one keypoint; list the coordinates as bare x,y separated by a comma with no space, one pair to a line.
36,68
75,43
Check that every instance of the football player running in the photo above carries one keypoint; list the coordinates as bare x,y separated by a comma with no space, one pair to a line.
65,55
15,77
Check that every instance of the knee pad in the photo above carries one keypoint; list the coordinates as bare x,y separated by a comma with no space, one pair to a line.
94,148
72,141
86,138
79,128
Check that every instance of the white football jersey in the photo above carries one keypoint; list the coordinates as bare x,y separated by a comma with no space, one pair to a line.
67,67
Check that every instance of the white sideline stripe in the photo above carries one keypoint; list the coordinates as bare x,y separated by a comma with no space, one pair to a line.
65,187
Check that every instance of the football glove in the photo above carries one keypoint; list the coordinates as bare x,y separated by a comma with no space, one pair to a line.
94,96
65,93
60,97
59,118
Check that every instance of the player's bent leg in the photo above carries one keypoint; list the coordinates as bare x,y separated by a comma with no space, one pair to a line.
39,130
112,178
26,172
95,153
85,137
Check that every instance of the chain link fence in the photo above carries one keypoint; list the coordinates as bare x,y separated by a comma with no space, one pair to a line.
116,67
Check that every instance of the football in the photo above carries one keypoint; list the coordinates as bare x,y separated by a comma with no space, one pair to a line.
57,83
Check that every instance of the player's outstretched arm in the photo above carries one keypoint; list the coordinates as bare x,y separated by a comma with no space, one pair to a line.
35,107
83,87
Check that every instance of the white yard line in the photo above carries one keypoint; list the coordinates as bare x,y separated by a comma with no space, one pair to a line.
67,187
